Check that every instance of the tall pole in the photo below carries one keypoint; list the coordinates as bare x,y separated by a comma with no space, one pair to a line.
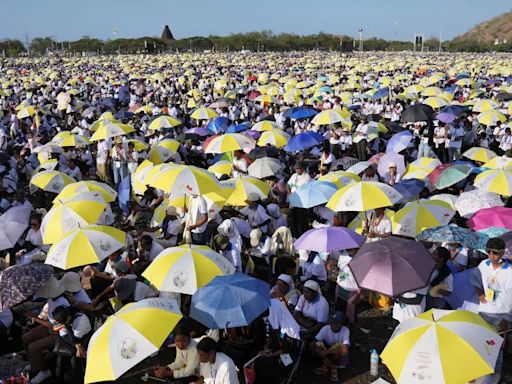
361,46
27,42
440,40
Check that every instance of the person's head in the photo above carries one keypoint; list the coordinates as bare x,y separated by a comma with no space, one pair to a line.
507,131
238,154
363,120
495,250
35,221
182,339
370,172
115,256
171,212
119,143
324,170
146,242
392,167
299,168
326,147
207,350
311,290
252,200
71,164
131,146
221,241
379,211
255,237
336,321
122,268
64,315
284,282
454,245
441,255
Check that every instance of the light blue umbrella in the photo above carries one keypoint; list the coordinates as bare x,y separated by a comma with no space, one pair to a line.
312,194
399,142
454,234
230,301
381,94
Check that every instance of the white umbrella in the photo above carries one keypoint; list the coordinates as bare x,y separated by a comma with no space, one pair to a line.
265,167
12,225
471,202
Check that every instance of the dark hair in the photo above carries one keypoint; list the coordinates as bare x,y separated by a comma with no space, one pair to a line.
496,243
61,313
443,253
36,216
207,345
182,331
146,240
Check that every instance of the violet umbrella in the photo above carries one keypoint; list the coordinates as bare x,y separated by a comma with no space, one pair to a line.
491,217
446,117
329,239
389,158
392,266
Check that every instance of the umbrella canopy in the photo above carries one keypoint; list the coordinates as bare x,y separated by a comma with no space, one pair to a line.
444,347
303,141
229,142
70,190
446,197
495,180
410,189
218,124
298,113
391,158
51,181
19,282
499,162
266,151
491,217
340,178
417,112
222,167
312,194
363,196
236,128
482,155
48,148
203,114
128,337
265,167
392,266
13,223
163,122
491,118
110,130
230,301
186,268
470,202
329,239
399,142
83,246
73,141
243,187
446,175
276,138
265,125
419,215
331,116
359,167
454,234
184,179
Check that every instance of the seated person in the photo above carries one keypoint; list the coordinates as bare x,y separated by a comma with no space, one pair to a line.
186,362
285,289
227,249
261,245
77,326
314,268
170,229
312,310
215,367
331,344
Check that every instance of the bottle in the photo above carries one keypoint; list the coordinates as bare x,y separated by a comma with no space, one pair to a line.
374,363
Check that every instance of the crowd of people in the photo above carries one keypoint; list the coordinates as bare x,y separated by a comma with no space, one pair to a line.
304,124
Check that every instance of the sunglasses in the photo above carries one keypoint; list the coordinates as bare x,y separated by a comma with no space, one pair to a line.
496,251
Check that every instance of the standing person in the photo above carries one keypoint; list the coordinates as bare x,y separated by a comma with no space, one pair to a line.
240,164
132,158
440,135
215,367
299,216
119,164
102,160
197,220
455,134
376,225
362,139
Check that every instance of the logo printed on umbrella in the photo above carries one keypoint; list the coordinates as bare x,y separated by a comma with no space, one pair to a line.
105,245
180,278
127,348
55,186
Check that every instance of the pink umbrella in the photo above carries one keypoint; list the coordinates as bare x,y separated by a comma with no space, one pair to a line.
376,158
389,158
491,217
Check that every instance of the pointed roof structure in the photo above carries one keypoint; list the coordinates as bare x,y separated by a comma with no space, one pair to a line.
167,34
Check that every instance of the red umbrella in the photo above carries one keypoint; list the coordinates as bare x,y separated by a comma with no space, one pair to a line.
253,95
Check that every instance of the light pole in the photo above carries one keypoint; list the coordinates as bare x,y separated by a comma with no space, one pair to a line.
361,44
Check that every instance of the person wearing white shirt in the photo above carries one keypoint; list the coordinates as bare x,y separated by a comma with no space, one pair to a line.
506,141
312,309
314,268
298,179
197,219
215,367
456,134
376,225
261,245
345,140
73,171
239,164
362,139
229,251
102,156
392,177
186,362
148,248
440,135
256,215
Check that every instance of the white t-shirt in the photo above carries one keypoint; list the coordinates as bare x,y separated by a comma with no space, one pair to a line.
455,133
103,152
381,226
198,208
256,216
155,250
317,310
498,281
330,338
81,326
297,181
223,371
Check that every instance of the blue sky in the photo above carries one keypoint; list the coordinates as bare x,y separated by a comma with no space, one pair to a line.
390,19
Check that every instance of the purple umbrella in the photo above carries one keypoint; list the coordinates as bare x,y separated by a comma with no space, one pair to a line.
389,158
392,266
446,117
399,142
329,239
199,131
463,290
252,134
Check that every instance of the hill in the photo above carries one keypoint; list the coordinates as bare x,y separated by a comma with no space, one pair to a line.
498,28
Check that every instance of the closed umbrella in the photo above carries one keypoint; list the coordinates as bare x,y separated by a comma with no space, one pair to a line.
13,224
230,301
265,167
392,266
19,282
329,239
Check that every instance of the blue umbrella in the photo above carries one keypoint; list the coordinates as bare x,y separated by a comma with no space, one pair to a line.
399,142
474,169
218,125
124,115
410,188
454,234
230,301
303,113
303,141
446,117
454,109
235,128
462,75
312,194
381,94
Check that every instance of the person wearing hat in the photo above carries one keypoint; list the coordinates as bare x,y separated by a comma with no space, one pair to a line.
298,179
43,336
256,215
298,216
312,309
228,250
119,163
332,344
74,292
171,229
277,219
261,246
284,289
392,176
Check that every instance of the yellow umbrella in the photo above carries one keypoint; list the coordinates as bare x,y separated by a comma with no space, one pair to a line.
139,184
110,130
499,162
72,141
222,167
162,122
490,118
276,138
363,196
187,268
340,178
436,102
138,145
185,179
25,112
243,187
159,154
203,114
482,155
331,116
229,142
265,125
70,190
495,180
484,106
51,181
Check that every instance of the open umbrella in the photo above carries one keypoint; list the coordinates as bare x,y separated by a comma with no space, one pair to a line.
446,175
410,189
70,190
181,179
265,167
203,114
392,266
129,336
243,187
442,347
454,234
329,239
19,282
312,194
491,217
463,290
218,124
12,225
495,180
479,154
51,181
229,142
470,202
186,268
230,301
266,151
389,158
417,112
303,141
363,196
399,142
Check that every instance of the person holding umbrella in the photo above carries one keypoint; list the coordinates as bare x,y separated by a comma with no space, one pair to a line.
376,226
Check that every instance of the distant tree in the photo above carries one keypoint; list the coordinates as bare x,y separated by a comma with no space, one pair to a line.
42,44
11,47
